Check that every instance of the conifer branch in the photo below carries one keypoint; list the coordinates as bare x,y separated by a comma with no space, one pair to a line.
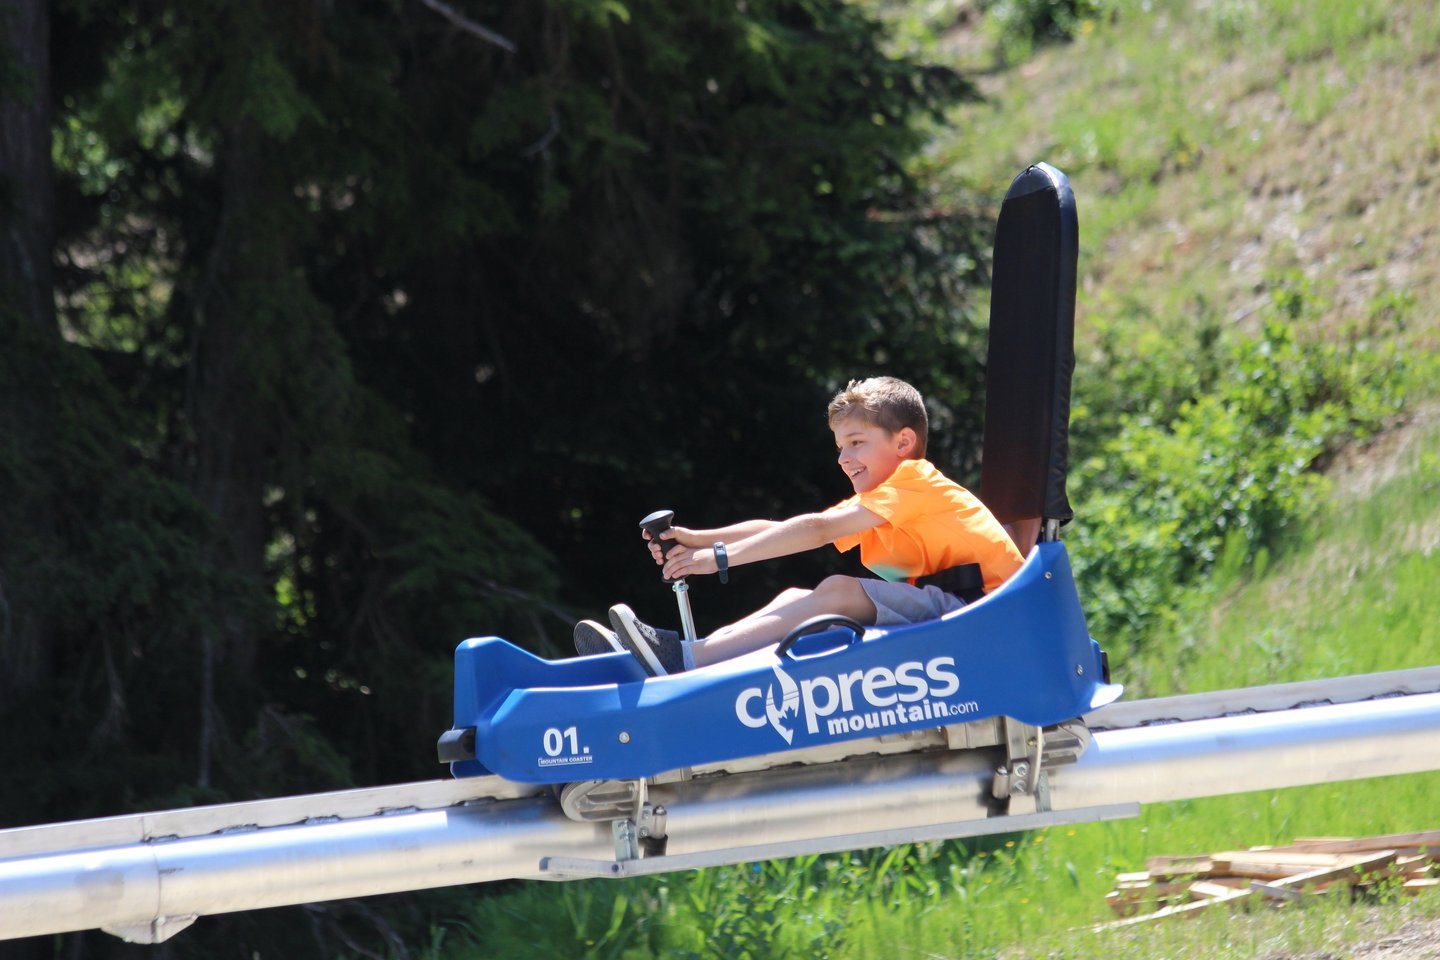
470,26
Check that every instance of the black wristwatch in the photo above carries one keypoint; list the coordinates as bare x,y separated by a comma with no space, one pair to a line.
722,561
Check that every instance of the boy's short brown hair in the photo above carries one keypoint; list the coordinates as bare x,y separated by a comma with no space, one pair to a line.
884,402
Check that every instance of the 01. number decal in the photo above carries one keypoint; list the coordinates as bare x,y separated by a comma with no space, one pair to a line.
556,740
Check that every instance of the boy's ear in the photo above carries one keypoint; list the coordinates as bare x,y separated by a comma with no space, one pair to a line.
905,440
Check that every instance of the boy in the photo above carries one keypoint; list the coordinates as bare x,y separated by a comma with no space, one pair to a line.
908,519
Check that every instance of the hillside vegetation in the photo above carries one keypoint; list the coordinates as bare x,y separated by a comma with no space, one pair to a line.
1258,284
1235,163
1257,474
1214,145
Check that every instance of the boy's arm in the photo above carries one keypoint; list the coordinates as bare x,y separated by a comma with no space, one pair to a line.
696,539
776,539
688,537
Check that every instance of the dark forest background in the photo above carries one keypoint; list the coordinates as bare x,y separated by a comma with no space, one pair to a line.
334,333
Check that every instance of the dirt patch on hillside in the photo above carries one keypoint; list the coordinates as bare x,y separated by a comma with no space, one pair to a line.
1416,939
1363,467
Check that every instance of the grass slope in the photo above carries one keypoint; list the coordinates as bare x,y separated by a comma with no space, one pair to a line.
1212,144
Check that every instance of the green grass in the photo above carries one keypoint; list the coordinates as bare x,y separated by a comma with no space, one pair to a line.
1211,145
1356,596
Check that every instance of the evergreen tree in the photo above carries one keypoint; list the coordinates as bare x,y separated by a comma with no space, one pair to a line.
379,325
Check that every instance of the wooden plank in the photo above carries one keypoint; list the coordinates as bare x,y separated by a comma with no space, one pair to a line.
1121,906
1255,870
1209,888
1152,891
1180,910
1223,858
1353,868
1428,839
1179,866
1156,892
1304,840
1275,891
1272,864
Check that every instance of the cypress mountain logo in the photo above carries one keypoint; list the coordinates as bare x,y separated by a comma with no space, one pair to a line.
855,700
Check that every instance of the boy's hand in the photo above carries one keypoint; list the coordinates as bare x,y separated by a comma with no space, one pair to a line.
686,561
672,541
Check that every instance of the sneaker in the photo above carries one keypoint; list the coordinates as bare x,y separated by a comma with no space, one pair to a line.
617,627
658,651
592,639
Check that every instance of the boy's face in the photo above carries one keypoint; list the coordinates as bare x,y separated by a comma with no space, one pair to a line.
869,454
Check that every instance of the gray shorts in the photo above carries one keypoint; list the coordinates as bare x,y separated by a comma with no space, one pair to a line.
899,602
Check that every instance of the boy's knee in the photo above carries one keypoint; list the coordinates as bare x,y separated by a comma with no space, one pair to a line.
837,585
845,595
792,594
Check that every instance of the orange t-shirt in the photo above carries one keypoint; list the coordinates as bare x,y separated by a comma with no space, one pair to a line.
932,524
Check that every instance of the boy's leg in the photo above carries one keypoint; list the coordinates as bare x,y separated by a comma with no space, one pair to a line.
769,625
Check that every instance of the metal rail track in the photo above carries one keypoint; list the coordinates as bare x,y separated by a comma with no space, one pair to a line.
144,877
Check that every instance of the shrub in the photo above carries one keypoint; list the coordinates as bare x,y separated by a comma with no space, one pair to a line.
1019,25
1222,457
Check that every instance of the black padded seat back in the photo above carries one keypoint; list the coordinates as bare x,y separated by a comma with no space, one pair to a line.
1031,356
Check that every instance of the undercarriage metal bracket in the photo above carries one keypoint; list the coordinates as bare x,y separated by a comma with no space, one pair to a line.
597,801
576,868
642,836
157,930
1020,774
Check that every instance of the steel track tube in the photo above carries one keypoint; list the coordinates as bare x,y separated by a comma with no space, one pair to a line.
131,885
134,886
1262,751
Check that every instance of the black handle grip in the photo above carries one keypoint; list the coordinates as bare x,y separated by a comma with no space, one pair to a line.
656,524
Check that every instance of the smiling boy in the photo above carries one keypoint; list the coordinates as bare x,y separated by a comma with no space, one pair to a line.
909,520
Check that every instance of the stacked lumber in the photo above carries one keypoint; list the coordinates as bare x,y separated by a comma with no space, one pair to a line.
1177,886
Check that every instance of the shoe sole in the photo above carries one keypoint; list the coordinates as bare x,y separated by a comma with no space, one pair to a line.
615,624
619,628
626,618
596,639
